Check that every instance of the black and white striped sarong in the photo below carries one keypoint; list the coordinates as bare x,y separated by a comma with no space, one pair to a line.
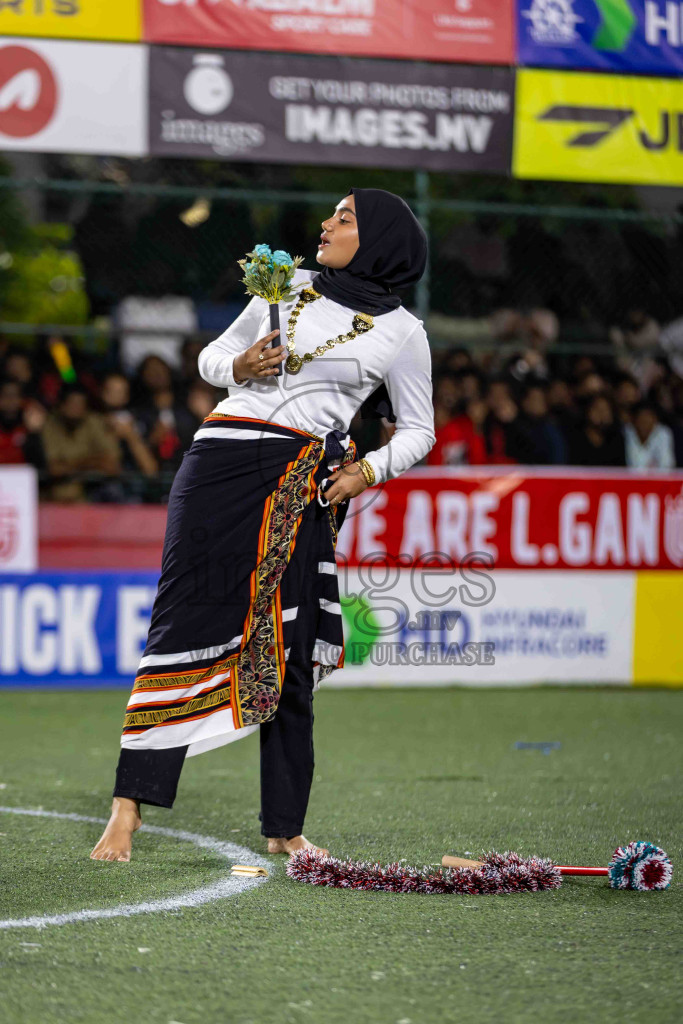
248,553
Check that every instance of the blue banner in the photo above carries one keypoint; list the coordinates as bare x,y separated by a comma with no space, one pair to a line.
74,628
629,36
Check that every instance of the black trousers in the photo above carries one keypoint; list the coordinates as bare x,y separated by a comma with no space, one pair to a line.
286,752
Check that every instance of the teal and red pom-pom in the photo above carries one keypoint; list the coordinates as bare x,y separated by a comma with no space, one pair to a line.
640,866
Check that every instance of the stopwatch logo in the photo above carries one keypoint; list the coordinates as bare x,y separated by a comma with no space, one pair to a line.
553,21
208,87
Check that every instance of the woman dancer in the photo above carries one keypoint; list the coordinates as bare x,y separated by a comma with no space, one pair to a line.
247,620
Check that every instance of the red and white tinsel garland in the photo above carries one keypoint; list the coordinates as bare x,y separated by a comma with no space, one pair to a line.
500,873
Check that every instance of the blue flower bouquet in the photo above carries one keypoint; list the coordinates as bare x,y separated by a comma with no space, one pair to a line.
269,275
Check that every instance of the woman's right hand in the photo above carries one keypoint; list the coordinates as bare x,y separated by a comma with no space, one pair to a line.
259,361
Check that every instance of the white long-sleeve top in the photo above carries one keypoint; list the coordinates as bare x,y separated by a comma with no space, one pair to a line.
327,392
655,453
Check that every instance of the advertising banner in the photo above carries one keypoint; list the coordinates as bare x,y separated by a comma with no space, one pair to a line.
89,629
571,126
643,36
73,97
475,577
18,519
74,628
657,646
516,519
72,19
497,628
472,31
270,108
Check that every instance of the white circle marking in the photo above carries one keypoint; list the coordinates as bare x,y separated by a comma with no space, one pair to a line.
218,890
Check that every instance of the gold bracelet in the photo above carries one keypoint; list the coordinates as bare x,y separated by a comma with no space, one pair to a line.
367,471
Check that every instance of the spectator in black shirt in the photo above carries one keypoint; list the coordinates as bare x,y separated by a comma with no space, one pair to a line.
115,401
669,399
458,358
626,397
561,406
599,440
167,426
539,441
18,367
189,373
500,425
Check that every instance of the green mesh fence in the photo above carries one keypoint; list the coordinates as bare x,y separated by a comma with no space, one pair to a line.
177,227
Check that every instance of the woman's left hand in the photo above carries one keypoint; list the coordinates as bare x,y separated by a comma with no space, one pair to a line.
347,482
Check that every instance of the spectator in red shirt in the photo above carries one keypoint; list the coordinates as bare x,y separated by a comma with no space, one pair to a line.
446,398
460,441
21,422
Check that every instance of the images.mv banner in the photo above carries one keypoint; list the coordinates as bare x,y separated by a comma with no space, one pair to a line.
318,110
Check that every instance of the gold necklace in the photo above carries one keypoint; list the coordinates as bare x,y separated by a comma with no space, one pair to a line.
362,322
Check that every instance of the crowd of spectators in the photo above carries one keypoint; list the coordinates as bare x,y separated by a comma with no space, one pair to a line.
591,416
101,436
108,435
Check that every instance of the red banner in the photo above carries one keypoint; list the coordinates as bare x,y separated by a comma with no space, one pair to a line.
520,520
468,31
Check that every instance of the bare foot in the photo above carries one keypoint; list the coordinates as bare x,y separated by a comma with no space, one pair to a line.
293,845
117,838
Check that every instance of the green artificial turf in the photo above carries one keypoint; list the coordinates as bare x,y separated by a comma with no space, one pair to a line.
399,774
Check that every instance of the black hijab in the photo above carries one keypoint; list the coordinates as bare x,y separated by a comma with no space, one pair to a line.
391,255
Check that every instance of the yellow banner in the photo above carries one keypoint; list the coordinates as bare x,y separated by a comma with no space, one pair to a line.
572,126
72,19
657,648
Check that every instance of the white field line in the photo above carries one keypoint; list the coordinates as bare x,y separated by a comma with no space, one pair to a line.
218,890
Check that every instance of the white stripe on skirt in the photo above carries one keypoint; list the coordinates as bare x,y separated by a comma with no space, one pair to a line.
236,434
187,657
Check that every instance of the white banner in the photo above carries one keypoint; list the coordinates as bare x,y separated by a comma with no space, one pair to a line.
18,519
476,627
73,97
425,629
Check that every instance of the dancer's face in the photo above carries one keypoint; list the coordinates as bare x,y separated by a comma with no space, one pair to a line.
339,240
